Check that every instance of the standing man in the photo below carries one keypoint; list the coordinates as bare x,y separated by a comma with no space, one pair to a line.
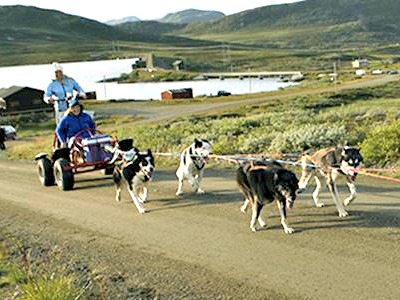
60,91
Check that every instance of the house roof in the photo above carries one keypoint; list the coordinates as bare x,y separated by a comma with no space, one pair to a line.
13,89
178,91
9,91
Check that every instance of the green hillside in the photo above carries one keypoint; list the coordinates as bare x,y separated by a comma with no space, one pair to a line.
150,27
317,23
23,22
31,35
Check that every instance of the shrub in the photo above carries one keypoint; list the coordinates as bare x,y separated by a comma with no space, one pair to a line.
309,137
382,145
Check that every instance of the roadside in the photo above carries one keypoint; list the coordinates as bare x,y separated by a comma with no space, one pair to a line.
117,269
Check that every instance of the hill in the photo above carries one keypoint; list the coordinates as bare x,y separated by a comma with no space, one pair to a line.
150,27
31,23
33,35
192,16
122,21
318,23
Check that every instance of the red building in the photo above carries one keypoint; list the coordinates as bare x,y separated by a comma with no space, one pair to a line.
177,94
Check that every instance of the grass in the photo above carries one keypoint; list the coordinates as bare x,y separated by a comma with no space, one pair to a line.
32,272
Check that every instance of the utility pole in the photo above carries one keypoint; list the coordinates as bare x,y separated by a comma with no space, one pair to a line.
105,88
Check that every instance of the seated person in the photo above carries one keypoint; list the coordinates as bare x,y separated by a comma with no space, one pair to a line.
73,122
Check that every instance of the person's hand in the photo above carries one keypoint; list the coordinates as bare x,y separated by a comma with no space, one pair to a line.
63,145
83,96
51,100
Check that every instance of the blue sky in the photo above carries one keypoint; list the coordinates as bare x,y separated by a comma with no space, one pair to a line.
145,10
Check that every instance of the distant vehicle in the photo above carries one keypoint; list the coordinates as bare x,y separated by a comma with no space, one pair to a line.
11,132
377,72
223,93
297,78
393,72
283,79
361,73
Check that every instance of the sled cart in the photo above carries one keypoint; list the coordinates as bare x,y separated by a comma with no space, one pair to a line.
84,154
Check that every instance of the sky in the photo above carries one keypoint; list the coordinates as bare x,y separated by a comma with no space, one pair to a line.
145,10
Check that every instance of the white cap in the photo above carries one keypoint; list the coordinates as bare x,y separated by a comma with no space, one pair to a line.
57,67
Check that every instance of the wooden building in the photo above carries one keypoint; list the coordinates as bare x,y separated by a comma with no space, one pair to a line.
19,99
177,94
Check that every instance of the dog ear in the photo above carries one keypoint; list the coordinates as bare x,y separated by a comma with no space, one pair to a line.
149,153
197,143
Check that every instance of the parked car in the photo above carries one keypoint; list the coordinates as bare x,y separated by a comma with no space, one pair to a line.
393,72
11,132
377,72
223,93
361,73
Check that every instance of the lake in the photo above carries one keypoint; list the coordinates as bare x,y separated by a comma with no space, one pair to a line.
88,74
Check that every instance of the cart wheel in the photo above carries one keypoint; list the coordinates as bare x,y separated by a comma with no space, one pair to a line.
45,170
109,170
64,179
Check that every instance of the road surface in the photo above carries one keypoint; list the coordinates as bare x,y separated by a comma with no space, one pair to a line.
205,242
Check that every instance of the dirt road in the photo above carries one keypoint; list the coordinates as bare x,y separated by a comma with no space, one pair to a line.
200,247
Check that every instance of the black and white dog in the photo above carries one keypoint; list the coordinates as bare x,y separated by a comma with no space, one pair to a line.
331,163
264,182
192,164
135,171
3,137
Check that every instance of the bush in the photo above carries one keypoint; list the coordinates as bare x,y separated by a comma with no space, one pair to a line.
382,145
309,137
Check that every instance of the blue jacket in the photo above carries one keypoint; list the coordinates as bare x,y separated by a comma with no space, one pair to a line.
71,125
60,90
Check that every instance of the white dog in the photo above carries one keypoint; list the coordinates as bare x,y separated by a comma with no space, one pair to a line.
192,165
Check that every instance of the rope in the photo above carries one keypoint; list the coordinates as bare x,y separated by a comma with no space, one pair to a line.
255,157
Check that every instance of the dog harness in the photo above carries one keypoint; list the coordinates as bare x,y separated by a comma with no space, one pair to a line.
198,161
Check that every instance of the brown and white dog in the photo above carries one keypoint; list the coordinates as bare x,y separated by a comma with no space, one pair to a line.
331,163
264,182
192,164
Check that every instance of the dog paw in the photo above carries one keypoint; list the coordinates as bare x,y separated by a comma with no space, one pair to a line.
300,190
347,201
243,208
319,204
142,211
179,193
289,230
200,192
262,224
142,201
117,199
253,229
343,214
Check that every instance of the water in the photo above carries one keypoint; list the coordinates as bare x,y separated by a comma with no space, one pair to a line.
88,74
